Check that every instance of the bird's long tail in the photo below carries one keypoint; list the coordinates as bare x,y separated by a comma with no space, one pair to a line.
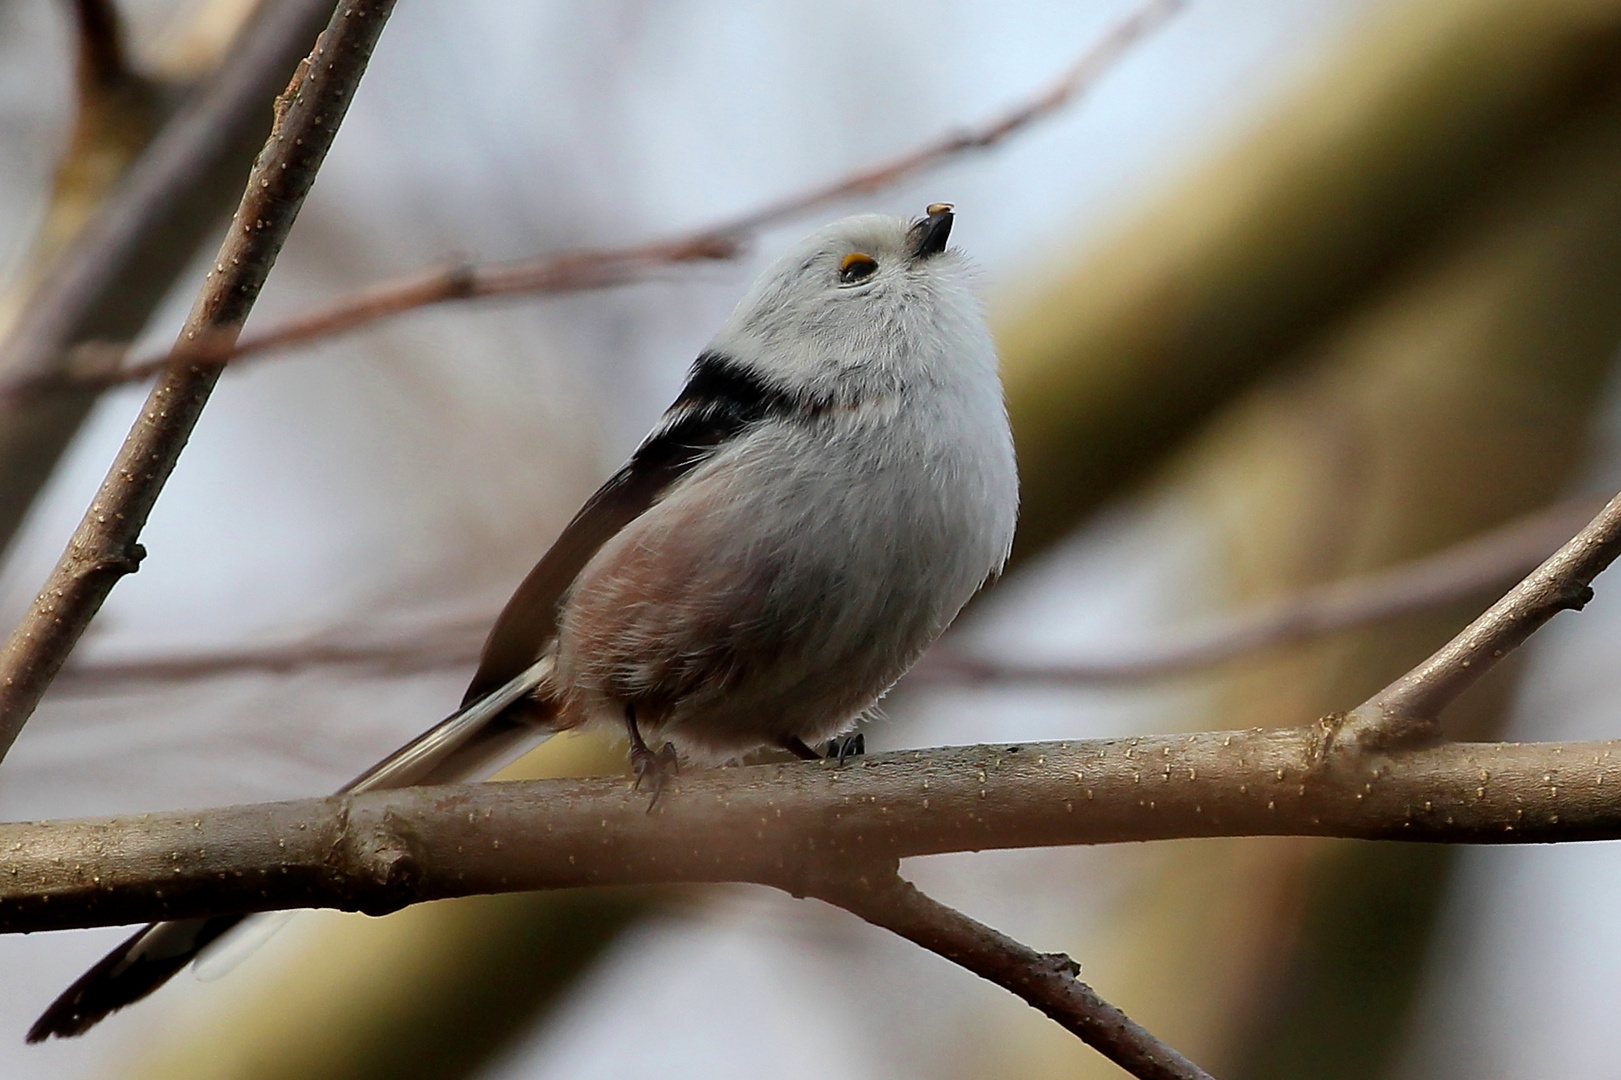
469,744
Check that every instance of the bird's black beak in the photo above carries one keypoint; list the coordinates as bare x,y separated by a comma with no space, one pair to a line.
930,235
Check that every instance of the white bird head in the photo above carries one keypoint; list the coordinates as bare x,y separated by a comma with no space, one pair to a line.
868,304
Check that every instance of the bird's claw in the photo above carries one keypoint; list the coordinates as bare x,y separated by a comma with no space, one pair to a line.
851,745
654,769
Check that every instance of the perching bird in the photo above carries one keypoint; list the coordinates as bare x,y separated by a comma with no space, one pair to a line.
833,483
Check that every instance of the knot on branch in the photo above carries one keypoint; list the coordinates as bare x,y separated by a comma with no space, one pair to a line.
1375,727
460,281
387,873
285,99
1328,730
1062,965
113,559
1573,596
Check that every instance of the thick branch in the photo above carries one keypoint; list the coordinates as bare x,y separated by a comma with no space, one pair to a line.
104,547
576,271
1408,709
1047,981
378,851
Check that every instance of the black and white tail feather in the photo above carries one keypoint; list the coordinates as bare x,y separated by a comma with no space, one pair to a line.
158,951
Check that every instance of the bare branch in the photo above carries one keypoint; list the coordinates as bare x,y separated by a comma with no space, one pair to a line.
576,271
104,547
451,644
1047,981
381,850
1408,710
1460,572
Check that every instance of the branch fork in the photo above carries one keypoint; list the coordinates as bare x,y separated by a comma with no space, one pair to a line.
1407,713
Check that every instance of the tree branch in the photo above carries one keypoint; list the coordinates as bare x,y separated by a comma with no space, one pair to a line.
575,271
1047,981
1409,709
379,851
104,546
1460,572
438,645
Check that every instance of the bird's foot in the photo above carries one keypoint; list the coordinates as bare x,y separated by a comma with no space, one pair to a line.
851,745
654,769
836,749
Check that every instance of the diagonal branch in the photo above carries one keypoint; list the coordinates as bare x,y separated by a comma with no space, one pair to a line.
104,546
1049,982
575,271
1409,709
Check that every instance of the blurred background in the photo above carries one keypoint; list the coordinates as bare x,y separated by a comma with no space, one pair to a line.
1298,292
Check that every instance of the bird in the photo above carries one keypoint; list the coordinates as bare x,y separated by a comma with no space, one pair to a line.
833,483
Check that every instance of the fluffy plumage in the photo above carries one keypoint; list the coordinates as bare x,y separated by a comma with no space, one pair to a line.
786,582
831,486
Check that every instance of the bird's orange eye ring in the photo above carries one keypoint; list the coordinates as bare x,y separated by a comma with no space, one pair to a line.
856,266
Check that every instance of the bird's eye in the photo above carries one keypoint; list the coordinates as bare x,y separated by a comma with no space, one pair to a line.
856,267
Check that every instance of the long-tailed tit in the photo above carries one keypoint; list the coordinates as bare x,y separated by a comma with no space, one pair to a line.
833,483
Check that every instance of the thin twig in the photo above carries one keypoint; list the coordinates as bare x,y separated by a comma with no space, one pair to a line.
575,271
1456,573
441,645
1460,572
1409,709
104,547
1050,982
381,850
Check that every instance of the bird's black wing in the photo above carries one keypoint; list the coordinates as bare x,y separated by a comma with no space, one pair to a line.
720,400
